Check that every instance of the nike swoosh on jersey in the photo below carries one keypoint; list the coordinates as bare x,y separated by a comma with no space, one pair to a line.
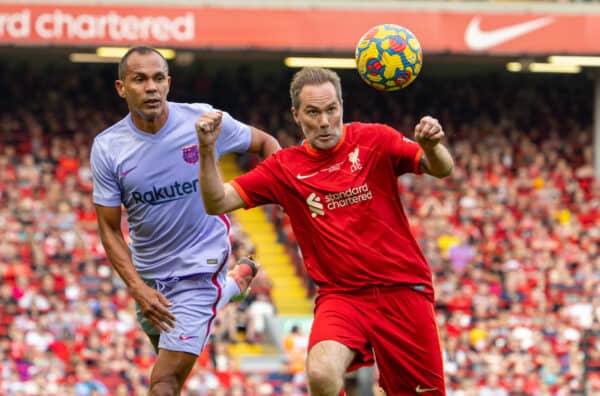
477,39
125,173
300,177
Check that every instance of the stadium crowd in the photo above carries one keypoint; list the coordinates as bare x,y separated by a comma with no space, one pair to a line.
512,237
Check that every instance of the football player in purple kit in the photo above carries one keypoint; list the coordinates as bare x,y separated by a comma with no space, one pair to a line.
175,266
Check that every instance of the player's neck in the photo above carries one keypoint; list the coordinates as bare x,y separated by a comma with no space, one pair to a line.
151,126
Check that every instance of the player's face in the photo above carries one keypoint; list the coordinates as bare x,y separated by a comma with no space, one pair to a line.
319,115
145,86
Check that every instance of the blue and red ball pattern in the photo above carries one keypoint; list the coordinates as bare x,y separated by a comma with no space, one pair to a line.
388,57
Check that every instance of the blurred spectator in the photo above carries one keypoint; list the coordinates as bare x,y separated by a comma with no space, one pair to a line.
260,311
295,344
87,385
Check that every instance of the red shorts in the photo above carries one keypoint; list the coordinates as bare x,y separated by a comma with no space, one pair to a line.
396,326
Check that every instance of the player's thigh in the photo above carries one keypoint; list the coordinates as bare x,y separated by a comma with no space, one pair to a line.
330,357
195,303
407,346
340,318
154,339
172,366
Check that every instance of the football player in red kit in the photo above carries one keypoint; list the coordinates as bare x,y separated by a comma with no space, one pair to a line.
340,190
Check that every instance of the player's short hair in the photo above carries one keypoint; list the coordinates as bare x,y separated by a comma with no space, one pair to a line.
313,76
142,50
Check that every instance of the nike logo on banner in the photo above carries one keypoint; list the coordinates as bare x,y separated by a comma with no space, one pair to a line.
300,177
418,389
477,39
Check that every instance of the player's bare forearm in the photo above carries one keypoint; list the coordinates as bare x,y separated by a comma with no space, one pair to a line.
152,303
115,246
262,143
218,197
437,161
120,258
211,181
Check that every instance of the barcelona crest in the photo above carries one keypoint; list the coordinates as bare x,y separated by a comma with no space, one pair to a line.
190,154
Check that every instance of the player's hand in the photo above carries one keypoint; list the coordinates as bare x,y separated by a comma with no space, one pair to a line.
154,306
208,127
428,132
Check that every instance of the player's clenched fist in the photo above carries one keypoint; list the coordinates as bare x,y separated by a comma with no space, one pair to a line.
208,127
428,132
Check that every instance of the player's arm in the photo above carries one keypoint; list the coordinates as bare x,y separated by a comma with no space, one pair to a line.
152,303
218,197
117,251
436,159
262,143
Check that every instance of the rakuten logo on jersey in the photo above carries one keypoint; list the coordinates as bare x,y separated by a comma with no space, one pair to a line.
112,26
161,195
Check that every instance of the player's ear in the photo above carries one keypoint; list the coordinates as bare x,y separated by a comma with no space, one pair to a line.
295,115
120,87
168,87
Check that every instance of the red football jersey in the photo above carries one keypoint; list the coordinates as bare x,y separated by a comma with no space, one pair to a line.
345,209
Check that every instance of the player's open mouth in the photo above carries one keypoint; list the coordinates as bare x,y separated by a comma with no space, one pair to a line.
152,102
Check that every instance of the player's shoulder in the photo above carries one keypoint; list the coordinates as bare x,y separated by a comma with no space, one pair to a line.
368,127
196,108
283,154
287,155
370,132
108,134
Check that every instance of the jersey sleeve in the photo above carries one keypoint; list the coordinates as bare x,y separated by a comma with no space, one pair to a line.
106,191
259,186
404,152
235,136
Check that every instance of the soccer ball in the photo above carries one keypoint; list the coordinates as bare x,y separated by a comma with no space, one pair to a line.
388,57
